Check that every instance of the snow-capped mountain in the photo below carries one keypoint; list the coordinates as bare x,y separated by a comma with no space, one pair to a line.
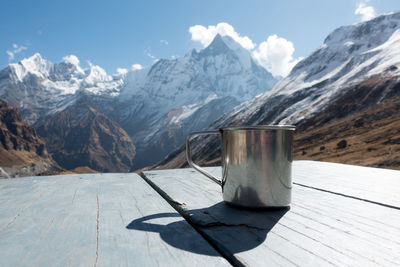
157,106
38,87
349,55
357,66
161,104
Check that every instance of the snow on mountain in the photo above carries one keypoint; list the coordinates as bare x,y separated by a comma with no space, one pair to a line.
38,87
357,66
158,103
349,55
217,69
157,106
34,65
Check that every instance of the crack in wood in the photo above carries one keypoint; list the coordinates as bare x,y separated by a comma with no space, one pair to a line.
97,230
141,214
73,197
221,224
19,213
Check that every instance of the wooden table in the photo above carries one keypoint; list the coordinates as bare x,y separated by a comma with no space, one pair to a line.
340,215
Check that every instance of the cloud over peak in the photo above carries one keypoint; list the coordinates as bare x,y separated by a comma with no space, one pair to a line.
122,71
137,67
206,35
275,54
366,12
72,59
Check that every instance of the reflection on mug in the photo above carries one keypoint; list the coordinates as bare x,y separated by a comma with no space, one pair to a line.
256,165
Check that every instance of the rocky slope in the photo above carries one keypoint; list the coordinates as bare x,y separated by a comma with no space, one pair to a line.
369,138
354,72
82,136
22,151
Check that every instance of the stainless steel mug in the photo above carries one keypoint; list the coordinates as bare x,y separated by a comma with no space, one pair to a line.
256,165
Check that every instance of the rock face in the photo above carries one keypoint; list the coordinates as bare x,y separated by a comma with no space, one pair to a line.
353,73
22,151
82,136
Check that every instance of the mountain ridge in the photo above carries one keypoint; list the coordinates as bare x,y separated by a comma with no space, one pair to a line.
156,106
315,84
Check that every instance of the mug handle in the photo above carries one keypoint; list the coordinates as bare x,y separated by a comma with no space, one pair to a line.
189,156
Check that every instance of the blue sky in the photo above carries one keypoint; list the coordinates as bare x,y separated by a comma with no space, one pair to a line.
117,34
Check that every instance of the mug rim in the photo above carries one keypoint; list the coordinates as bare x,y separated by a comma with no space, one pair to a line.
260,127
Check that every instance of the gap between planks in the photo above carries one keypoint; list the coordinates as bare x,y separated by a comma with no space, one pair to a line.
348,196
176,206
224,252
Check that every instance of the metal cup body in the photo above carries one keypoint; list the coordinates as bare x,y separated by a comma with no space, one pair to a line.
256,166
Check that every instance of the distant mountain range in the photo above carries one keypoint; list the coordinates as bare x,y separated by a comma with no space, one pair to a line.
344,99
331,96
124,122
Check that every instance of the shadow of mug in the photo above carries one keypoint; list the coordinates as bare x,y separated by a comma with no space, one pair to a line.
233,229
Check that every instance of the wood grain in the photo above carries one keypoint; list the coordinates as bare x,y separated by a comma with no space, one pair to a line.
95,220
320,228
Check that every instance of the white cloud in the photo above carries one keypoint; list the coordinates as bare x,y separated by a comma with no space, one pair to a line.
366,12
276,55
136,67
122,71
16,49
164,42
10,55
74,60
150,55
206,35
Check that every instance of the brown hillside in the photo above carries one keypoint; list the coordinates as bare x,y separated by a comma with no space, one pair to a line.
82,136
368,138
22,151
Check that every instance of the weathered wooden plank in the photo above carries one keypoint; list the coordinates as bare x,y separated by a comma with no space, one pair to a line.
366,183
95,220
372,184
320,228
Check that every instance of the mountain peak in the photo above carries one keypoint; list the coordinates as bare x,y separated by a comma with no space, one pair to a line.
36,56
217,38
96,74
35,60
216,47
35,64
